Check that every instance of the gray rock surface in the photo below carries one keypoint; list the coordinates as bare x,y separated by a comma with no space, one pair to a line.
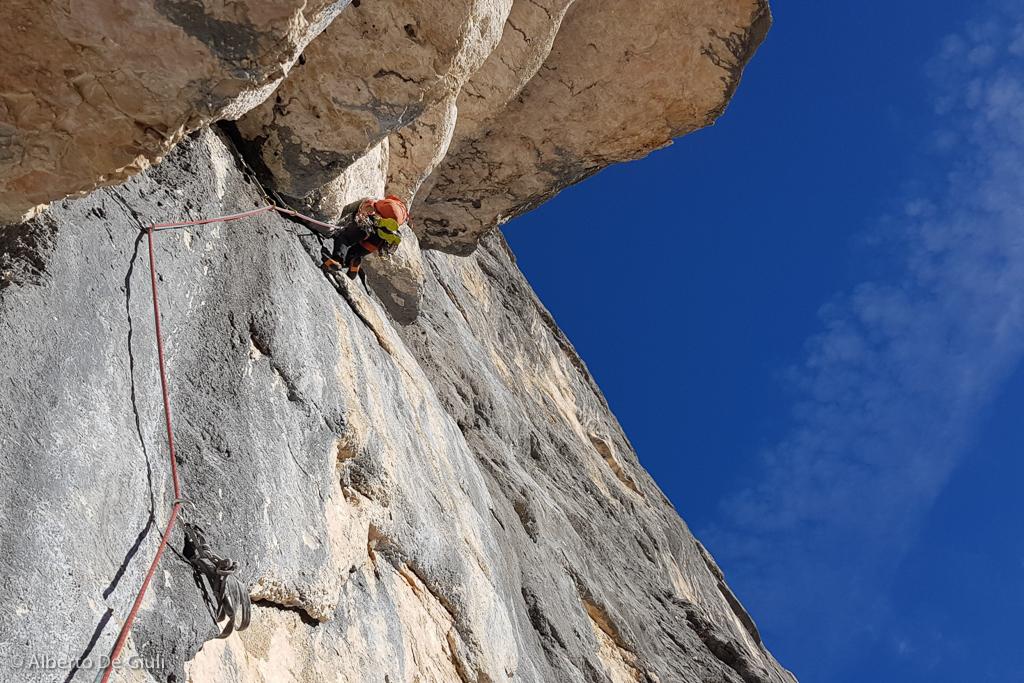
440,501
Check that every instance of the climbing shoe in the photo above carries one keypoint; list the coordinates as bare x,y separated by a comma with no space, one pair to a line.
331,264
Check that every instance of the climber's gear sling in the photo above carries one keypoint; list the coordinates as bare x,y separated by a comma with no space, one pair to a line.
232,597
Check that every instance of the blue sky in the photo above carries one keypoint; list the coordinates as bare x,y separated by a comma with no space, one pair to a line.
827,334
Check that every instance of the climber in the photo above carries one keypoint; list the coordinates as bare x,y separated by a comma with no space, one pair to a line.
366,226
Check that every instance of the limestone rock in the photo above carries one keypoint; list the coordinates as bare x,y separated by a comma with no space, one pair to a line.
618,83
363,178
417,149
529,32
525,43
421,482
490,106
398,278
96,90
446,500
376,69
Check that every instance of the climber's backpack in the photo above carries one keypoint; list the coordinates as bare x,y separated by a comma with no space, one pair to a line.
387,230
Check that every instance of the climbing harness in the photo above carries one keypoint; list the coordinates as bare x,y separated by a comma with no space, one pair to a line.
231,595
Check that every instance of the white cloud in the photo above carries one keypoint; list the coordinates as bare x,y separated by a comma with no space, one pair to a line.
891,388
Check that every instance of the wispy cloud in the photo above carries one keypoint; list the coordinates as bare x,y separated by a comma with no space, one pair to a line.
891,388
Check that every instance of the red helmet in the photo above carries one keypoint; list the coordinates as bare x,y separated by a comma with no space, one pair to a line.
392,207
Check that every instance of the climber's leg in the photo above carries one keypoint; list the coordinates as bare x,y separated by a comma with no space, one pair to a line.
354,259
337,253
340,245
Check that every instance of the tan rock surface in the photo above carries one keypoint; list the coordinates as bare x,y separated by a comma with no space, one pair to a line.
375,70
93,91
525,43
619,82
417,149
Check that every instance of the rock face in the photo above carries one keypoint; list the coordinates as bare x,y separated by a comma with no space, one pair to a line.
93,91
616,84
447,500
491,106
421,482
495,127
379,67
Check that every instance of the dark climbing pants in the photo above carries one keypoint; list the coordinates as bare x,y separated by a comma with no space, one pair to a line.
353,256
350,235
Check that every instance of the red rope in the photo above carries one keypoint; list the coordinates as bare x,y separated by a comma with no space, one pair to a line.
235,216
126,628
204,221
314,221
